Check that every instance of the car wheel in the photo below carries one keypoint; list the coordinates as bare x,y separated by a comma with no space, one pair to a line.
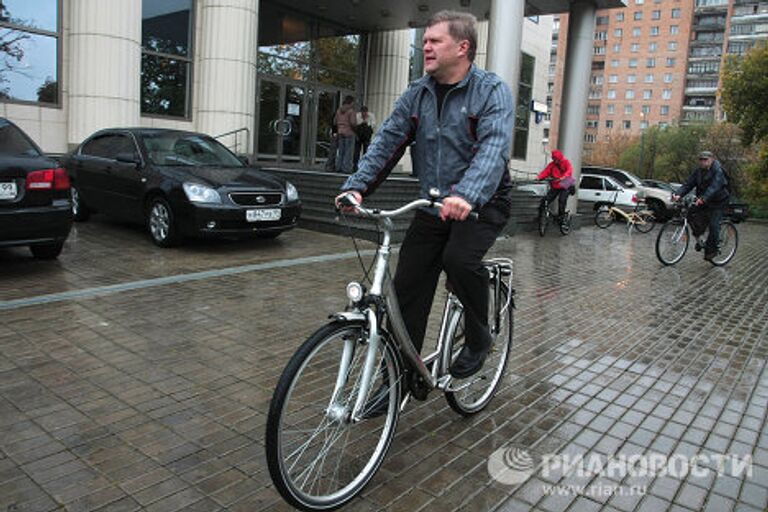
80,212
161,223
47,251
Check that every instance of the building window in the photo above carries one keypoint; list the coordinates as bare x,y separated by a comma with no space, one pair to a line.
672,46
667,94
609,124
653,47
611,108
633,63
618,32
646,109
592,123
631,78
602,20
627,125
616,48
593,110
523,112
619,16
635,47
638,15
647,94
674,30
628,110
29,49
675,13
650,63
671,62
601,36
611,93
667,78
643,125
648,79
613,79
654,31
665,110
614,63
656,15
630,94
598,50
166,57
637,32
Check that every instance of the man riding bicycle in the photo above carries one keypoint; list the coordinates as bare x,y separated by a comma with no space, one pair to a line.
560,171
711,185
460,118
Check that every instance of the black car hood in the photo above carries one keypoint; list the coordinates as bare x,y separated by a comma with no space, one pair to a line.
239,177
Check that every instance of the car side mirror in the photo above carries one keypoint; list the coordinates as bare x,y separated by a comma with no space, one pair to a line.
629,184
128,158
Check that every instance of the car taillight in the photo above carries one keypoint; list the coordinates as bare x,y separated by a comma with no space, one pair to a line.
634,198
48,179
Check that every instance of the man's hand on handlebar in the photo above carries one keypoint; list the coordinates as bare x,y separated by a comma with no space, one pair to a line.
342,200
455,208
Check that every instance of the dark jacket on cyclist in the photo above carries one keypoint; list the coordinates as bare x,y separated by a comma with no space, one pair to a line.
710,184
559,168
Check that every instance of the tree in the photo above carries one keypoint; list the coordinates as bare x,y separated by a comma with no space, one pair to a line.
608,152
745,93
48,92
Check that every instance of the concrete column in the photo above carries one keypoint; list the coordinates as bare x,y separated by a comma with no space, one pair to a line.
104,67
481,57
505,38
573,105
388,68
226,57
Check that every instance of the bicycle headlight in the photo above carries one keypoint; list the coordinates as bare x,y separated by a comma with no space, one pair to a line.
355,292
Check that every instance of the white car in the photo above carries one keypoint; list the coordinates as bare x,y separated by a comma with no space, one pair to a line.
600,190
659,201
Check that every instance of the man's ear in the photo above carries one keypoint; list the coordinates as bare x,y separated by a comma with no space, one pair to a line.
464,48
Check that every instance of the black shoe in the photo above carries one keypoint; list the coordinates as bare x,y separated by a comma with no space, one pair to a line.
378,404
709,256
698,247
469,362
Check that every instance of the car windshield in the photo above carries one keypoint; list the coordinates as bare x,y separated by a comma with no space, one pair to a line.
185,149
631,177
13,142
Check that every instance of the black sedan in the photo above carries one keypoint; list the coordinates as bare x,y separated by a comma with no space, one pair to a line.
177,184
35,210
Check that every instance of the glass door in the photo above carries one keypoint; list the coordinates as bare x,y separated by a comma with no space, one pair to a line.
281,125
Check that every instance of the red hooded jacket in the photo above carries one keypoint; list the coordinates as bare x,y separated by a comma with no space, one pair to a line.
558,168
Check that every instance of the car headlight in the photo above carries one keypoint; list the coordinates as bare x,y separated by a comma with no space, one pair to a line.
201,194
291,194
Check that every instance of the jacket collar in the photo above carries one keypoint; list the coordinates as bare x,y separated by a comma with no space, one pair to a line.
429,83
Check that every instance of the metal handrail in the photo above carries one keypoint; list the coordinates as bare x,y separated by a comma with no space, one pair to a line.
234,132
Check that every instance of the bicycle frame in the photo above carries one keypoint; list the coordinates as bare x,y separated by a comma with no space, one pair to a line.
383,289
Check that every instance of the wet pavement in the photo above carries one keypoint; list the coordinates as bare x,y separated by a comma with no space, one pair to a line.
137,378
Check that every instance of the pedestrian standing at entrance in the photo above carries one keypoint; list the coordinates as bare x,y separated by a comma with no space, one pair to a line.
459,119
560,171
345,124
366,125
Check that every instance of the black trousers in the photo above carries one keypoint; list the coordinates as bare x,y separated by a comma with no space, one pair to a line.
562,197
431,246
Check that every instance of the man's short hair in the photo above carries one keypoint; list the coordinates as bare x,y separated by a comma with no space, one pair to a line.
461,25
706,154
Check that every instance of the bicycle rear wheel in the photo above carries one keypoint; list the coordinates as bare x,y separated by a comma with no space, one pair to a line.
645,221
317,457
471,395
543,219
672,242
604,218
727,245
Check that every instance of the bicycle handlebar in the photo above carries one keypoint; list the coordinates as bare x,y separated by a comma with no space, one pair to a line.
349,200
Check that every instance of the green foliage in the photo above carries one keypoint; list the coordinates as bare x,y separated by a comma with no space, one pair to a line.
756,189
745,93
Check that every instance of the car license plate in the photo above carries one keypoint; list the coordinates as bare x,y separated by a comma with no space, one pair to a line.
261,215
8,190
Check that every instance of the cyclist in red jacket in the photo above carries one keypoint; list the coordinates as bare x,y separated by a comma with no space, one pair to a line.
561,172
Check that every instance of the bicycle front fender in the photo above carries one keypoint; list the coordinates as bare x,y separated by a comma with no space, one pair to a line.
348,316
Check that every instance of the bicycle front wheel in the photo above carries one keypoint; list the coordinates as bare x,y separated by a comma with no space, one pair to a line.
543,220
727,245
317,457
604,218
471,395
565,223
672,242
644,222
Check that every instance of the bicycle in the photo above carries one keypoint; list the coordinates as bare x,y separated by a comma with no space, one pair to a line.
335,409
564,220
641,220
674,236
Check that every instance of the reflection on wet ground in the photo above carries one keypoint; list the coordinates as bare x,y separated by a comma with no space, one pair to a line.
154,397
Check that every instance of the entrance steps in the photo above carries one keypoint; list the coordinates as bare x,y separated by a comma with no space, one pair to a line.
317,190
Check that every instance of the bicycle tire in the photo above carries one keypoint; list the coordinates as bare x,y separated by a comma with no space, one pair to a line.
338,483
672,242
565,224
544,215
495,363
604,218
647,221
729,242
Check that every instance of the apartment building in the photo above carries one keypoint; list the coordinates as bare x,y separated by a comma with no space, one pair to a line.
656,62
